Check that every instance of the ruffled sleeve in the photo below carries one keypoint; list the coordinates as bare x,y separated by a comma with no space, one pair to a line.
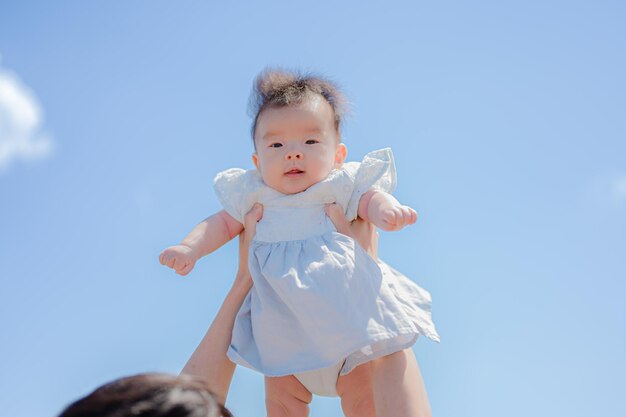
376,171
236,190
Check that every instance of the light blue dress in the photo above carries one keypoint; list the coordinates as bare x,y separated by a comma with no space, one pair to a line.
318,298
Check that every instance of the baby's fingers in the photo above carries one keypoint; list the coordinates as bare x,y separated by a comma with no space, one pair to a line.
164,257
412,215
167,259
177,264
398,217
185,269
389,218
406,215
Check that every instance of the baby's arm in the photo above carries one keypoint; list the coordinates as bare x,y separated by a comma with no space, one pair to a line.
211,234
383,210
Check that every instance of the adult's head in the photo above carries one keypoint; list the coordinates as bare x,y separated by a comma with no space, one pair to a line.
149,395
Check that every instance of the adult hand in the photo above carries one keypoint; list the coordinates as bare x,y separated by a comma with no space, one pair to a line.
243,279
363,232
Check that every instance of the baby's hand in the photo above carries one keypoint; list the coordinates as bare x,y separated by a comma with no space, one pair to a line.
180,258
396,217
386,212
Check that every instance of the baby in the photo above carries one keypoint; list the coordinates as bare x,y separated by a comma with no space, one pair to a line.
320,306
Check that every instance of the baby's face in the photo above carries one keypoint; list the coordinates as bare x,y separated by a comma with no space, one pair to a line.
297,146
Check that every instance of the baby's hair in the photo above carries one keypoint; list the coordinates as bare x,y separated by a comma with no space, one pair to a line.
280,88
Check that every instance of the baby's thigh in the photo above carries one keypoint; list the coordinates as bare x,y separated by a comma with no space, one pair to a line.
285,396
356,392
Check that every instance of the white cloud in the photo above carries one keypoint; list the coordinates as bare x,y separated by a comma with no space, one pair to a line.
618,187
21,133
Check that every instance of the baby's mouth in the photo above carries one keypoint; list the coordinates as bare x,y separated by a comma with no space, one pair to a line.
294,171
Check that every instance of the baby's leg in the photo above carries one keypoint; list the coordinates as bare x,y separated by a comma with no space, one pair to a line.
398,386
355,390
285,396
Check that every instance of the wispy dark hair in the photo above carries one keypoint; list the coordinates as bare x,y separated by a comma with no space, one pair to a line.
149,395
280,88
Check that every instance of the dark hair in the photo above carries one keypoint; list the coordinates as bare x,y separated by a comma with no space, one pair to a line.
149,395
280,88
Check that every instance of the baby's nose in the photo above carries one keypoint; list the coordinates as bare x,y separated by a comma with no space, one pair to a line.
294,154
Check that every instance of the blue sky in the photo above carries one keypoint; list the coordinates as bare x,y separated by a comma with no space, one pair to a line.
507,123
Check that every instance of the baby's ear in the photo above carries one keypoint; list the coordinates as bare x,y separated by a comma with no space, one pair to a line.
255,160
340,155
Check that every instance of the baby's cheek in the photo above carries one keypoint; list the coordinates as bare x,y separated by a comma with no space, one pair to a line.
270,178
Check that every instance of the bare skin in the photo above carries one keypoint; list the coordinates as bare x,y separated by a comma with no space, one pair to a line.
209,360
286,396
296,146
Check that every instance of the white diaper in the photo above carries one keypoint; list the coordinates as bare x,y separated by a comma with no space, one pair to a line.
321,381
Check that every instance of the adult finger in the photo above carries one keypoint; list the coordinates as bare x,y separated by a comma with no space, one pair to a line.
335,214
250,220
245,237
366,235
363,232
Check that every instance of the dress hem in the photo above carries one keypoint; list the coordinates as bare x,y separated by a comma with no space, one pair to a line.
238,359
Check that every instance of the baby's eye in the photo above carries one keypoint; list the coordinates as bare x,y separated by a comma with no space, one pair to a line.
276,145
311,141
